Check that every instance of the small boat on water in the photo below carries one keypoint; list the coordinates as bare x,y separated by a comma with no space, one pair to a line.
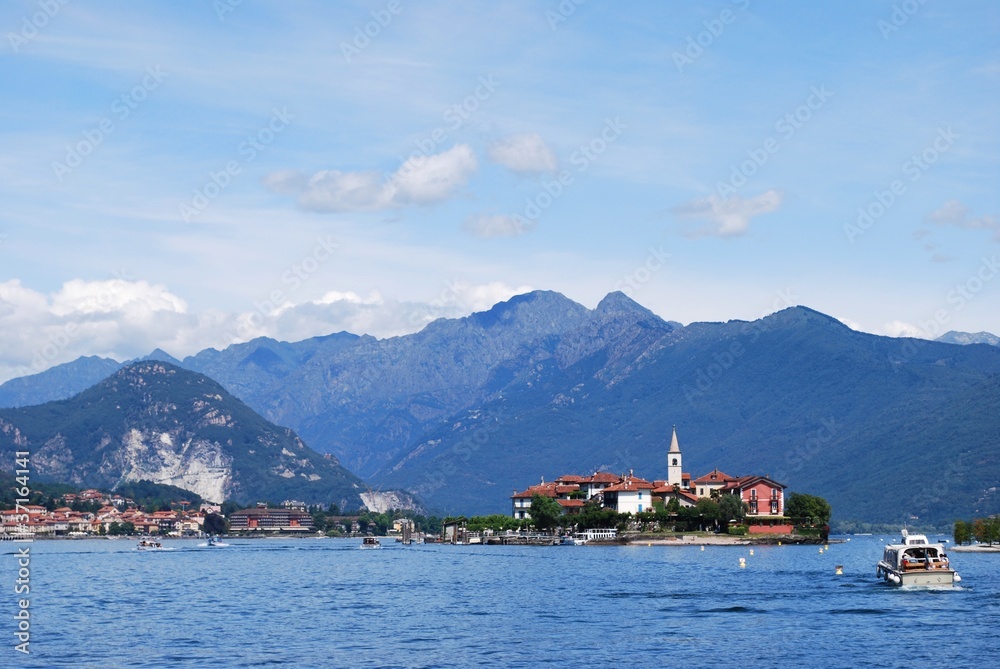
916,561
150,545
212,543
371,542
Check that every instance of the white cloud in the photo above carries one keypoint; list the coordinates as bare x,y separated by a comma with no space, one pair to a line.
955,214
904,329
497,225
114,295
727,217
124,319
523,153
419,180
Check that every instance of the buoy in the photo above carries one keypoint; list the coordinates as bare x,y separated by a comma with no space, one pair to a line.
827,546
751,551
958,579
840,570
743,563
779,543
820,551
702,548
649,544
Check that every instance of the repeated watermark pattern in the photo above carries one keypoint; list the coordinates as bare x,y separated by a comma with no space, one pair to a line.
57,342
643,272
786,126
705,377
562,12
461,452
223,7
248,151
454,117
363,35
815,442
582,158
121,108
714,28
900,16
271,305
913,169
956,299
32,25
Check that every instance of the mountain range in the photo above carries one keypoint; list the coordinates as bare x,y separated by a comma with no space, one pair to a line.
154,421
466,410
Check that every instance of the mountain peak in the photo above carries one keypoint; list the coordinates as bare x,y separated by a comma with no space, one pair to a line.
799,315
956,337
545,303
618,302
162,356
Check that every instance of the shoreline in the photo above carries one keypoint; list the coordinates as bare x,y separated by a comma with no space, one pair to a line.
720,540
995,548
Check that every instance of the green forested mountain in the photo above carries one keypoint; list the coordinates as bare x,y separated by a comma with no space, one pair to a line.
154,421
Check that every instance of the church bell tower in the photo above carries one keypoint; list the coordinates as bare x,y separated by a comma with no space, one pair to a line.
674,465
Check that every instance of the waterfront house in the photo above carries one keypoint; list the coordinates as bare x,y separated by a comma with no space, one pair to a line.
270,520
629,495
713,481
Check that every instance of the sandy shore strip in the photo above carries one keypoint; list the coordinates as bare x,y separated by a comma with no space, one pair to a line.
995,548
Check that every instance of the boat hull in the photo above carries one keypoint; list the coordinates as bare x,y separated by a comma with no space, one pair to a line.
939,578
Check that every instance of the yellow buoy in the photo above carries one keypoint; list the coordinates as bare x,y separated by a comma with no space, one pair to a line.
702,548
827,546
840,570
779,543
649,544
820,551
751,551
743,563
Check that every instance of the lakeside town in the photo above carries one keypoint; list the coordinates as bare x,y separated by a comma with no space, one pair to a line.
598,508
595,507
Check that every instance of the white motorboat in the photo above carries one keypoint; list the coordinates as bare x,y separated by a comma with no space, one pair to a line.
371,542
151,545
916,561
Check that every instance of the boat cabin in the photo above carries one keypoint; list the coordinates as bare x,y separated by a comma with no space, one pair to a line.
915,552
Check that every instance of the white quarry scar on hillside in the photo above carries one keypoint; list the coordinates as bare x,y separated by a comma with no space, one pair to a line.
196,465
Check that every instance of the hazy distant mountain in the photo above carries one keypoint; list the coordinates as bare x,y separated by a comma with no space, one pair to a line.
57,382
154,421
955,337
468,409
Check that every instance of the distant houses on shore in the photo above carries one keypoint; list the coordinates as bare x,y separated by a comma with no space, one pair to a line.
763,497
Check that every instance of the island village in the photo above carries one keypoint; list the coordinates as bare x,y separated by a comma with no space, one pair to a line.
763,500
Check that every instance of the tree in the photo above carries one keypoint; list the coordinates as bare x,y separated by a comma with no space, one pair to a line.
545,512
808,509
215,524
979,529
707,512
963,532
731,507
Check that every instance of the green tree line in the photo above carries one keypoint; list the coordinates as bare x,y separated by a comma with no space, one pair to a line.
983,530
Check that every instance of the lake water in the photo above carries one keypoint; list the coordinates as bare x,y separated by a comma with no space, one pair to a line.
325,603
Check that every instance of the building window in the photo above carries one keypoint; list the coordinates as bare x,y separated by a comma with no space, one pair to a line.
753,507
675,462
640,508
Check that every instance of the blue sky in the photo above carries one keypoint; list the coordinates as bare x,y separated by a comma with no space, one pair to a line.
186,175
